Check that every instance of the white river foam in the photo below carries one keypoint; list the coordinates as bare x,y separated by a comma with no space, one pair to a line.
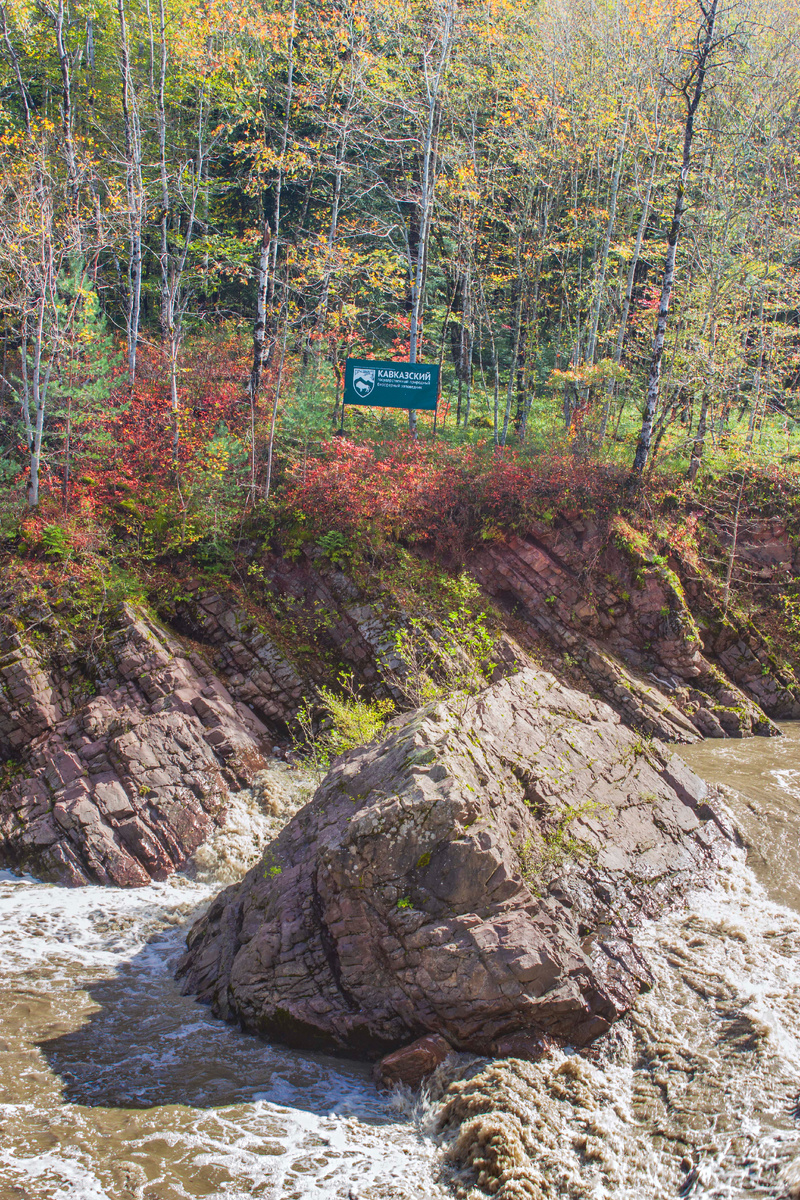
115,1087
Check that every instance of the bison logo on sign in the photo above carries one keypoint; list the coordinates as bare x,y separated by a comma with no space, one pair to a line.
364,380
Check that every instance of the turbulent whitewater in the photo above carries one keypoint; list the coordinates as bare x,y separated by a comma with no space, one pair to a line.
114,1087
691,1095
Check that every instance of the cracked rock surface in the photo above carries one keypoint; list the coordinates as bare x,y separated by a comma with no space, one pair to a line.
479,874
119,787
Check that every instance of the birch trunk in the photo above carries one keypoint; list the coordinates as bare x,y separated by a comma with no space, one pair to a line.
276,222
275,401
173,257
515,351
259,336
58,18
629,285
757,390
161,124
428,187
260,324
700,438
333,229
15,64
135,193
464,361
612,216
39,384
693,92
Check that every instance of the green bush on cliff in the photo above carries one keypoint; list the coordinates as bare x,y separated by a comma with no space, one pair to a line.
348,721
443,660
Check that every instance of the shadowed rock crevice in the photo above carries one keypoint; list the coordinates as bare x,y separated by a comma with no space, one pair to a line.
328,944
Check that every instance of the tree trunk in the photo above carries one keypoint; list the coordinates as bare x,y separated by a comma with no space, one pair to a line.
759,369
276,223
133,183
14,58
275,401
333,229
693,93
629,286
465,341
260,324
65,479
161,123
173,257
58,18
700,438
38,396
612,216
512,371
428,186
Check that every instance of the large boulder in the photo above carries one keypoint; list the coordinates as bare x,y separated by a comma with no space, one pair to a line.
478,874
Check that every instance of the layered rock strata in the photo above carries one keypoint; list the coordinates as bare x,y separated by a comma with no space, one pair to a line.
116,780
657,651
478,874
323,617
638,628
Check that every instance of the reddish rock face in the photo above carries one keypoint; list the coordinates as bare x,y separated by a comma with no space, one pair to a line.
120,781
478,874
663,657
413,1063
128,785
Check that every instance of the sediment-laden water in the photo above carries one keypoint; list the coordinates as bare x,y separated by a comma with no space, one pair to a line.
760,778
691,1095
114,1087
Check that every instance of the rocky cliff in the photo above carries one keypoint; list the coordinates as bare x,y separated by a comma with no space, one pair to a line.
121,738
593,598
644,629
115,778
478,874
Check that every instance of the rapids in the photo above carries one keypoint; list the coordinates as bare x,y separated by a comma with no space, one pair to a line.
114,1087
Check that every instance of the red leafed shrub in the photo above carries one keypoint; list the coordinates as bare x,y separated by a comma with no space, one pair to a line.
449,496
140,460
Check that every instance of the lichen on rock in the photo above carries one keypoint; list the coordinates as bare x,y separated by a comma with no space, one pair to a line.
476,874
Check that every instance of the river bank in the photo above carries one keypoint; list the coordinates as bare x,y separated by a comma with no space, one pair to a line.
117,1088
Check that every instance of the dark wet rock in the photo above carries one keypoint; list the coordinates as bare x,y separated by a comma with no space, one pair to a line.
523,1045
478,874
413,1063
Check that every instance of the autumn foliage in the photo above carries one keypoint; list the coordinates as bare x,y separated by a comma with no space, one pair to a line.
449,496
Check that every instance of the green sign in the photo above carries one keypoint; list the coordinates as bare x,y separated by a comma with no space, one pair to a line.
391,384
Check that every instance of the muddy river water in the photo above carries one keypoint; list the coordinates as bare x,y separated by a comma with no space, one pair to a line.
114,1087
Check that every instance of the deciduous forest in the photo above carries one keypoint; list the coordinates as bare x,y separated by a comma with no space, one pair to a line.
350,838
586,213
